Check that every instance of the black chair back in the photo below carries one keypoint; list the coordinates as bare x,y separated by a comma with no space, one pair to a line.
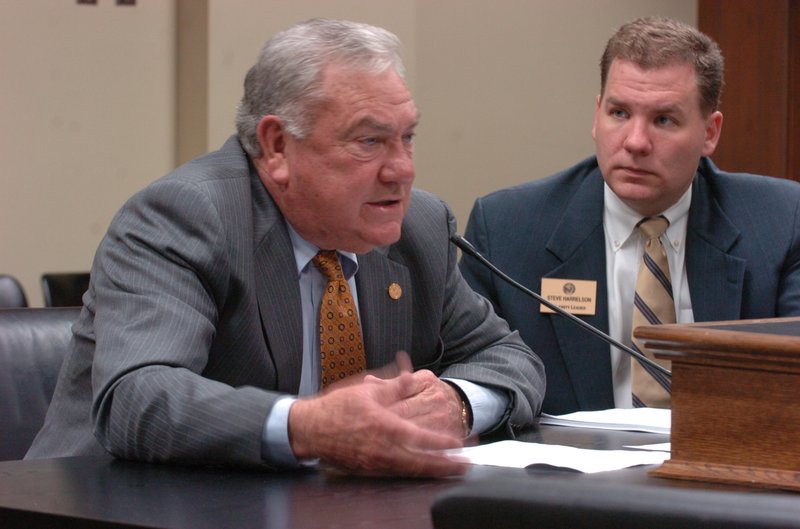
33,343
64,289
11,292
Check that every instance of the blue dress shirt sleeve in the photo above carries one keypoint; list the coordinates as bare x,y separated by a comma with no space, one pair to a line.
488,404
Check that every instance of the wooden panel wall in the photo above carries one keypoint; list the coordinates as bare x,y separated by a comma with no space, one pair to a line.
760,40
793,122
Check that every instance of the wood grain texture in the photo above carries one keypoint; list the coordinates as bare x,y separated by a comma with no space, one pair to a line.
760,44
735,389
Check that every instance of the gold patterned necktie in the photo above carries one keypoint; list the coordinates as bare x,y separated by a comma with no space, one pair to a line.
341,347
652,305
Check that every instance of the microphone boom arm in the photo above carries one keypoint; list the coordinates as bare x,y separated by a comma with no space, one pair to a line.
470,250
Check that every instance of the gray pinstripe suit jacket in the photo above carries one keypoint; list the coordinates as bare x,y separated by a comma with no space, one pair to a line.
192,323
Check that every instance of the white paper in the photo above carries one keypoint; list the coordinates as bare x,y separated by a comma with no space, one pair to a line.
654,420
663,447
517,454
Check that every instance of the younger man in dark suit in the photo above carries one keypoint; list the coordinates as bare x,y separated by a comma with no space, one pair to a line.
732,242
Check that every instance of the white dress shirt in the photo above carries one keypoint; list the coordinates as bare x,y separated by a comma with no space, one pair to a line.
624,249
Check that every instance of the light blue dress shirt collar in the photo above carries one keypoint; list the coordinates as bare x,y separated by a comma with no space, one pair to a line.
304,252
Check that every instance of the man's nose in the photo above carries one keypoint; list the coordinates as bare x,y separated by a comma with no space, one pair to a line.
637,140
399,164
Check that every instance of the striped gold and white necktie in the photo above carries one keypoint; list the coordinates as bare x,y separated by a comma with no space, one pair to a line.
653,304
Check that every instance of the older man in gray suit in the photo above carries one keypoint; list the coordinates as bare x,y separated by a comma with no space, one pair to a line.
199,339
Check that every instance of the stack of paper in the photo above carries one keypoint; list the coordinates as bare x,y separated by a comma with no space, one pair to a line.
517,454
520,455
652,420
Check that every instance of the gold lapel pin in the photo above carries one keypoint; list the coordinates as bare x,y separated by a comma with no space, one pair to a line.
395,291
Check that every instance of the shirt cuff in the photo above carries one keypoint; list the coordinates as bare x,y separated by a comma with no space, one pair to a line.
488,404
275,447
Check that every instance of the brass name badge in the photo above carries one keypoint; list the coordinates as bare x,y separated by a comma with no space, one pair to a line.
575,296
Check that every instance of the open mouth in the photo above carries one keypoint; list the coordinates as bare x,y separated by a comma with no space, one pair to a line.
385,203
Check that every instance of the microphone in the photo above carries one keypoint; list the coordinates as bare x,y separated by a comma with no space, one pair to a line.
470,250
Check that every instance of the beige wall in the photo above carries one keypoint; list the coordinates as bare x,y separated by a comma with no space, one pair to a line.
506,89
86,118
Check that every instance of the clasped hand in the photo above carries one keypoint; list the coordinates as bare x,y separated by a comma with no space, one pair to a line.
391,422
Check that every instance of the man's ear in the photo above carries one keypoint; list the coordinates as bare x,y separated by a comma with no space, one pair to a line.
712,133
596,114
273,162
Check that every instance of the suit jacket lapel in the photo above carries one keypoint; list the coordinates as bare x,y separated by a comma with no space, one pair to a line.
716,279
277,288
386,322
578,242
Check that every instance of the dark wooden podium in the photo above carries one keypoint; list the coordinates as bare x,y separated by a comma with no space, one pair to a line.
735,400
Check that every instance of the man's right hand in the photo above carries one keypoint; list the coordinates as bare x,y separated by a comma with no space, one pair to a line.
351,428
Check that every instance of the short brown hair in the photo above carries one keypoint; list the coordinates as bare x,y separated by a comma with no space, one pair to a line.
654,42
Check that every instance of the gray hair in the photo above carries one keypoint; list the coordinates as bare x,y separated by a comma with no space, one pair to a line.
286,79
654,42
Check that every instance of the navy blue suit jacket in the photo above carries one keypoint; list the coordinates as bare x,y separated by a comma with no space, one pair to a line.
742,262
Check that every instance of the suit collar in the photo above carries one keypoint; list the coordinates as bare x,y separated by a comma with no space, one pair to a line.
583,216
385,319
716,278
576,242
706,217
275,271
